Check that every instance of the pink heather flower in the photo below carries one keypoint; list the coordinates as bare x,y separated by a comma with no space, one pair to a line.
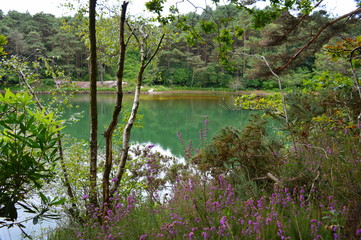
143,237
205,235
190,184
223,221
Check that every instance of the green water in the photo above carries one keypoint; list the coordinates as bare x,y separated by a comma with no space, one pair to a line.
163,117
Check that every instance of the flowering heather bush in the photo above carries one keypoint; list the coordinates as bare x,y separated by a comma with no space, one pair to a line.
210,209
308,199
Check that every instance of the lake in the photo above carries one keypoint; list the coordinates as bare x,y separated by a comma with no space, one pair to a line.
163,116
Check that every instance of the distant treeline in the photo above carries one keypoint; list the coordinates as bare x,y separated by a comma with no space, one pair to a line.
202,50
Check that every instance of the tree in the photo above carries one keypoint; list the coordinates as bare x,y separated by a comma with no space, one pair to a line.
34,42
108,134
17,42
93,103
149,46
46,25
298,26
142,32
69,53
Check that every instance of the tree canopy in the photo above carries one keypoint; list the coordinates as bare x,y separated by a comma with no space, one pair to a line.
204,48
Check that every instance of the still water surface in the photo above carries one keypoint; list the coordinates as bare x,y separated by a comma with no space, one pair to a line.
163,116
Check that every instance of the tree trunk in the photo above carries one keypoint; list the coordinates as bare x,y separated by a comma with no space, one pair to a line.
127,130
108,134
93,104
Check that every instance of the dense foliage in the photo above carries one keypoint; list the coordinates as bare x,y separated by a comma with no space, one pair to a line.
30,36
201,49
299,181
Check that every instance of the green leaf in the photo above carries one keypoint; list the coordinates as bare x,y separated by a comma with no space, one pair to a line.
43,198
28,210
58,202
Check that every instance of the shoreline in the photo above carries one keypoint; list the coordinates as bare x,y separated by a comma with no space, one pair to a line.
196,92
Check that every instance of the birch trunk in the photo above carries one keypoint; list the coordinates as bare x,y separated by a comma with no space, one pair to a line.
127,130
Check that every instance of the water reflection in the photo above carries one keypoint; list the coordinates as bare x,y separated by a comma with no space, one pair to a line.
163,117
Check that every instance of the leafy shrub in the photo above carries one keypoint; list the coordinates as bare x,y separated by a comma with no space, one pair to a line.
28,150
246,153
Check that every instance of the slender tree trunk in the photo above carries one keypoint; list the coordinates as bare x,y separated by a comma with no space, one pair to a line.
108,134
126,133
127,130
93,104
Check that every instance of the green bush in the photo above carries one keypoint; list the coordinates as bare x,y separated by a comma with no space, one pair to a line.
28,150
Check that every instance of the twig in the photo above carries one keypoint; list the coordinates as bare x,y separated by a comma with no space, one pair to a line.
275,179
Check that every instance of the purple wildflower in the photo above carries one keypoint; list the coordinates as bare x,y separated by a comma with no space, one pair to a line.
143,237
205,235
223,221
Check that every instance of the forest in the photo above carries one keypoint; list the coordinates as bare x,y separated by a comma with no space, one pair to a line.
299,181
207,56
